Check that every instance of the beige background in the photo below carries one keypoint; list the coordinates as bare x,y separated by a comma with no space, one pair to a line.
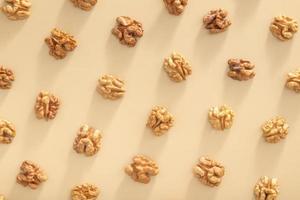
241,149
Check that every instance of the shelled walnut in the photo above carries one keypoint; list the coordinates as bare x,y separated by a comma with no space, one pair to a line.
293,81
175,7
46,105
6,77
177,67
283,27
266,189
128,30
84,4
141,169
275,129
31,175
160,120
240,69
2,197
216,21
60,43
111,87
7,132
17,9
87,141
221,118
209,171
85,192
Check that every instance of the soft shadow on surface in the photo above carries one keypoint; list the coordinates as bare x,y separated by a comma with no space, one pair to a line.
244,10
197,190
3,150
288,106
18,191
3,95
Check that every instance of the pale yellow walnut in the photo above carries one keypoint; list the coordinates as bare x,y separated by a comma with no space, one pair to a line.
283,27
142,169
209,172
175,7
87,141
6,77
84,4
46,105
240,69
160,120
2,197
31,175
221,118
17,9
216,21
85,192
275,129
111,87
7,131
293,81
266,189
177,67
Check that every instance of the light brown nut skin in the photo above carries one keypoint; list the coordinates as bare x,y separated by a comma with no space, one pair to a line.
85,192
60,43
17,9
221,118
46,105
128,30
275,129
284,27
6,78
209,172
31,175
216,21
87,141
177,67
86,5
7,132
266,189
160,120
141,169
175,7
111,87
240,69
293,81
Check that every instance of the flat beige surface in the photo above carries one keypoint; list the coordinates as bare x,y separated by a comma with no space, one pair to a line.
241,149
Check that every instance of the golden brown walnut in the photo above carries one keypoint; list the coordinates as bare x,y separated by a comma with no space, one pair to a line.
31,175
6,78
266,189
17,9
160,120
85,192
293,81
46,105
240,69
283,27
2,197
84,4
275,129
60,43
141,169
221,118
216,21
175,7
128,30
7,132
111,87
177,67
87,141
209,171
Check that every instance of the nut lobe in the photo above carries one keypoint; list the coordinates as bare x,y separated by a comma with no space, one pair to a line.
85,192
293,81
111,87
240,69
17,9
7,132
175,7
266,189
86,5
216,21
275,129
283,27
221,118
46,105
6,78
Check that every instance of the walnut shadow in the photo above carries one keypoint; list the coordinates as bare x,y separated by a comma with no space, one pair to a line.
197,190
3,150
3,95
18,191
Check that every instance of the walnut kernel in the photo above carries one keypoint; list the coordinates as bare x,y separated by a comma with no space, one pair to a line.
111,87
175,7
266,189
221,118
275,129
142,168
87,141
84,4
17,9
216,21
177,67
60,43
283,27
6,77
240,69
293,81
85,192
209,171
7,131
31,175
2,197
128,30
46,105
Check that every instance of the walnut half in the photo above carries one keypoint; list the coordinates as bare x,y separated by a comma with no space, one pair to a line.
84,4
111,87
275,129
283,27
216,21
221,118
17,9
240,69
85,192
7,131
46,105
293,81
6,77
266,189
2,197
175,7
